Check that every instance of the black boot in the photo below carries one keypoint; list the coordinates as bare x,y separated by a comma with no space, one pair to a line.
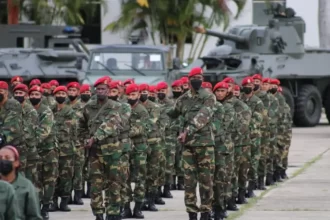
277,175
70,201
250,193
88,192
192,215
127,212
180,185
77,197
159,200
224,212
218,215
167,193
269,179
54,206
99,217
113,217
261,183
205,216
144,206
137,211
283,175
151,202
173,185
44,211
241,197
64,204
231,204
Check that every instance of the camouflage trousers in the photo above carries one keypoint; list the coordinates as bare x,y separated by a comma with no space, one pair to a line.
105,174
86,168
170,158
271,153
48,173
124,162
178,165
287,144
64,180
154,159
254,159
224,167
31,171
198,164
79,160
241,165
264,145
138,173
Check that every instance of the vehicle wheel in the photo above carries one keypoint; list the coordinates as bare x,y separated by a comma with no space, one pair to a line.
327,104
308,107
289,99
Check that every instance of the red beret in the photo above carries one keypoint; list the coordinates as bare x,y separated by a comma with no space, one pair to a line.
132,88
161,85
275,82
195,71
36,88
103,80
206,85
73,85
266,80
45,85
280,89
84,88
3,85
21,87
128,81
152,89
60,88
177,83
221,85
228,80
16,79
247,80
184,80
257,76
54,82
143,87
237,88
115,84
35,82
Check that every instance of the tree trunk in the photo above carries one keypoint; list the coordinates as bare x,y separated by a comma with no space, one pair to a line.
324,23
180,47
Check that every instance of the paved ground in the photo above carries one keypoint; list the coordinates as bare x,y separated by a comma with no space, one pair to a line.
303,197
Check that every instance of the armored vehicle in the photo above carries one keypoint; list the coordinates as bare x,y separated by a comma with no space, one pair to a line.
274,47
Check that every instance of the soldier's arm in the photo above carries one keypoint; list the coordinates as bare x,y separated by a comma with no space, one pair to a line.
258,114
109,128
126,113
175,111
32,121
273,112
73,123
139,127
46,122
243,121
203,116
228,117
12,125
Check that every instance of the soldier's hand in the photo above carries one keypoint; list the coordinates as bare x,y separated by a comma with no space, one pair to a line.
200,30
89,143
182,137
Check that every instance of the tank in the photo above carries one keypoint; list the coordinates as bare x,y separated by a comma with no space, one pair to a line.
274,47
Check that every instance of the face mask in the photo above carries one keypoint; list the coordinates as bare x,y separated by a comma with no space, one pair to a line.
185,90
35,101
1,97
114,98
20,99
6,167
46,94
132,101
196,84
247,90
273,90
256,87
85,97
72,98
143,97
152,98
176,94
60,99
101,97
161,95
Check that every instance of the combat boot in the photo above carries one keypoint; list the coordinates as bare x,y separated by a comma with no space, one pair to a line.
241,197
127,212
159,200
180,185
192,215
250,193
44,211
218,215
173,185
54,206
144,206
277,176
269,179
151,202
113,217
137,211
99,217
64,204
70,200
77,197
261,183
231,204
224,212
204,216
167,193
283,174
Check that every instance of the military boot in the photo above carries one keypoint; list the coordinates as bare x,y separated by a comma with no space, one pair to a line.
70,201
77,197
251,186
241,197
151,202
204,216
64,204
224,211
173,185
192,215
137,211
44,211
283,174
127,212
99,217
54,206
231,204
113,217
218,215
159,200
277,176
269,179
180,185
167,193
144,206
261,183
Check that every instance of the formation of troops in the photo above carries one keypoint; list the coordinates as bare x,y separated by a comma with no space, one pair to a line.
228,139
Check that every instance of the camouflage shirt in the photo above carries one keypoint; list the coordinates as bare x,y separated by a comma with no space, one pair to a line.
125,114
226,144
176,124
154,134
165,120
78,108
197,111
281,102
49,100
286,124
30,121
273,111
138,123
266,101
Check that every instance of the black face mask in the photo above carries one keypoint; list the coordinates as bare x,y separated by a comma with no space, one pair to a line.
101,97
60,99
35,101
6,167
256,87
143,97
185,90
176,94
85,97
273,90
247,90
132,101
114,98
20,99
1,97
46,94
161,95
72,98
196,84
151,98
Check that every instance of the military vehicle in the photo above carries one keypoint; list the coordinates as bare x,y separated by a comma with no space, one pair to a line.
274,47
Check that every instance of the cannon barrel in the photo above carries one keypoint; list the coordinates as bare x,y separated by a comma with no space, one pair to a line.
230,37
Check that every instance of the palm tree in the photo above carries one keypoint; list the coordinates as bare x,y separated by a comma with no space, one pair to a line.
324,25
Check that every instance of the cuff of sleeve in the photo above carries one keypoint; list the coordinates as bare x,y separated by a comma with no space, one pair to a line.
188,129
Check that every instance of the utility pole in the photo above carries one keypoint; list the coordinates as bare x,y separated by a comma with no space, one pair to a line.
13,12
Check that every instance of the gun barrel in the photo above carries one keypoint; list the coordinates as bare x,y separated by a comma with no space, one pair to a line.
230,37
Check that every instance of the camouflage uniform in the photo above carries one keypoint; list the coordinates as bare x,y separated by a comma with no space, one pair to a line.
104,122
178,164
30,122
198,153
284,140
49,100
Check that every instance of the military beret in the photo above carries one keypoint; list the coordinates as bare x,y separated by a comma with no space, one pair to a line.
206,85
184,80
195,71
60,88
228,80
84,88
21,87
257,76
36,88
247,80
35,82
14,150
128,81
3,85
132,88
16,79
152,89
102,81
275,82
266,80
54,82
220,85
115,84
237,88
143,87
177,83
161,85
280,89
73,85
45,85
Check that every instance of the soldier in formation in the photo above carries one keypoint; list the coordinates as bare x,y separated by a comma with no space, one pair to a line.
228,139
